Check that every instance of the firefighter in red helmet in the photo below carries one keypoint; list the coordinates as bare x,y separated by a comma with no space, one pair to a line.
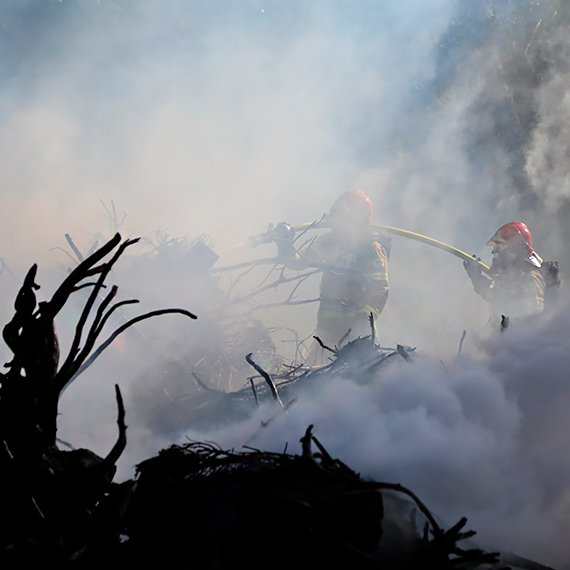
354,259
517,286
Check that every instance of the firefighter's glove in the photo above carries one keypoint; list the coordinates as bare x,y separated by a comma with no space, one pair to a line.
283,231
266,237
283,236
473,269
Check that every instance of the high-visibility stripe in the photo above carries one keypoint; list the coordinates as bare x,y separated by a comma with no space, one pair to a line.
329,314
380,275
368,309
332,314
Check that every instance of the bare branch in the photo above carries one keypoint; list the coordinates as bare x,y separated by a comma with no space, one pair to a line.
401,489
254,391
203,385
64,251
5,268
111,459
280,281
97,326
324,346
84,286
372,328
74,248
266,377
265,261
459,349
71,364
404,353
306,443
60,297
115,334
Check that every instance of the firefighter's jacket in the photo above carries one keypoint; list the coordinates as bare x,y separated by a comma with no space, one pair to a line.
354,282
515,291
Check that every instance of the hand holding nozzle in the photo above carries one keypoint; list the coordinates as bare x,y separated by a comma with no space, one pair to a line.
473,269
267,237
283,235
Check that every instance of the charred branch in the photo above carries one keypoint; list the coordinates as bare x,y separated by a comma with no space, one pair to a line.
266,377
283,410
307,453
459,349
111,459
114,222
121,329
202,384
404,353
4,267
84,269
30,390
254,391
280,281
265,261
372,329
74,248
324,346
343,339
287,303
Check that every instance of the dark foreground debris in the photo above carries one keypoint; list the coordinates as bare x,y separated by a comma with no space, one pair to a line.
196,505
215,508
199,506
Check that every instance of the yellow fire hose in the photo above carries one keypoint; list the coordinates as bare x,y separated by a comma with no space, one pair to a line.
409,235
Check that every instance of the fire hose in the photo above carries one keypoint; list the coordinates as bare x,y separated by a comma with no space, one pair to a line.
269,236
410,235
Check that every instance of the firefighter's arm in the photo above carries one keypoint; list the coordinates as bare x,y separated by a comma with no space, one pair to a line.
313,256
283,235
550,272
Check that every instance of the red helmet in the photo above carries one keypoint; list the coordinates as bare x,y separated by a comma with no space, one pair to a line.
356,204
514,234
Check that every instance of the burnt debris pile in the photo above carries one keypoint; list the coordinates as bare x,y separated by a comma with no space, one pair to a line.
195,505
211,508
203,406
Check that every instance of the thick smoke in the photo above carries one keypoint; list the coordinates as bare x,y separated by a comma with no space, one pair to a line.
218,118
487,440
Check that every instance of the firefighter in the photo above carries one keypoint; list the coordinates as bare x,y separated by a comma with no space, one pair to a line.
519,277
354,260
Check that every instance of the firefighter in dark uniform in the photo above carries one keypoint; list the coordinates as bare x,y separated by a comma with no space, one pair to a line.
354,259
519,277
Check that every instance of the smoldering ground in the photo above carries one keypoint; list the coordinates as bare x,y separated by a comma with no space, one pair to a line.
487,440
220,118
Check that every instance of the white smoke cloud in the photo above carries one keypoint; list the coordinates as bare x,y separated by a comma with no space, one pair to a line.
547,161
487,441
